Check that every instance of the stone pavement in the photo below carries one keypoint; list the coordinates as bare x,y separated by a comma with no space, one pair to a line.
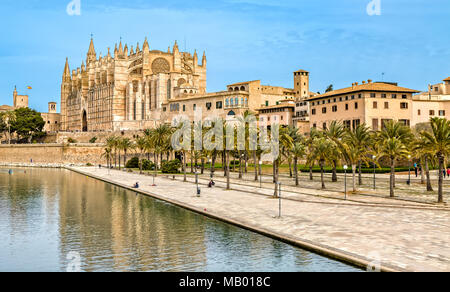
395,235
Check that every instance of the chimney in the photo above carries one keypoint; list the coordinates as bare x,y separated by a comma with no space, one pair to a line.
369,81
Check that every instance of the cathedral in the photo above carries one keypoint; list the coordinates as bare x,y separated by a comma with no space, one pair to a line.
126,91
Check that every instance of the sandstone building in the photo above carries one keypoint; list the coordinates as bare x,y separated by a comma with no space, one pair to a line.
52,119
433,103
372,103
126,91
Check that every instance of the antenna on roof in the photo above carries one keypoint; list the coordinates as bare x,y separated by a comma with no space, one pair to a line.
382,76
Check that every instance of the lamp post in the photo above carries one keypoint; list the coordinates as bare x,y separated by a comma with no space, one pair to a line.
260,174
409,170
345,179
374,173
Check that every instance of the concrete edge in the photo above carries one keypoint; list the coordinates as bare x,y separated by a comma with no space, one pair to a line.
329,252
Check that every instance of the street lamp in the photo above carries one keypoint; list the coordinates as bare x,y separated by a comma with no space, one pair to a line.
374,172
409,170
345,179
260,174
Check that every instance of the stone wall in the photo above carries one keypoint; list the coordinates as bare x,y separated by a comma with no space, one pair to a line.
52,153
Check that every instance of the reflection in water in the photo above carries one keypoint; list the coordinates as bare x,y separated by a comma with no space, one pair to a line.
46,214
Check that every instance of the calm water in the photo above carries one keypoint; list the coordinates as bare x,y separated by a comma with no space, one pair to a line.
47,214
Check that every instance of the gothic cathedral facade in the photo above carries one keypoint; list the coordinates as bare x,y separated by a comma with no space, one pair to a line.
126,91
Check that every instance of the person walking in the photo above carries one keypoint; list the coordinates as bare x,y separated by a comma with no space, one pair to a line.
448,172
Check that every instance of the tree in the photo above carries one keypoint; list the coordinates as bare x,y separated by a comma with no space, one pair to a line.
141,145
329,88
438,143
335,132
107,155
126,145
320,152
394,149
7,119
396,130
28,124
424,154
298,152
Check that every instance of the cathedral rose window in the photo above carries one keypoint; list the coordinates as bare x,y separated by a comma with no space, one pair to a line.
160,65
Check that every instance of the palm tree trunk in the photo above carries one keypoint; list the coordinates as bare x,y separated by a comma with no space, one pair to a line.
184,166
255,164
334,176
192,161
311,173
360,182
441,178
119,161
213,164
240,165
125,159
427,172
203,166
290,168
273,172
354,177
296,171
321,175
246,163
140,163
275,164
422,173
228,170
392,178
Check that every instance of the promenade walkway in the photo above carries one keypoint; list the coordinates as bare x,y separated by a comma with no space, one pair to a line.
392,234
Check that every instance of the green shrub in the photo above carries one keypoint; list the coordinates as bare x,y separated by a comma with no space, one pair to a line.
328,169
148,165
93,140
89,164
71,140
171,167
133,163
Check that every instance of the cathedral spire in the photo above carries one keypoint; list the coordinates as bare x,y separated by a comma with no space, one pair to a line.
137,48
175,48
91,55
145,47
109,54
195,58
66,74
204,59
132,51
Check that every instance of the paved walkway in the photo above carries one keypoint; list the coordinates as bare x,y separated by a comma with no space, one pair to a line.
395,235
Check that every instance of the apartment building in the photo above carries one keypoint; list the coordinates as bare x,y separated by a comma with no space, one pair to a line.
372,103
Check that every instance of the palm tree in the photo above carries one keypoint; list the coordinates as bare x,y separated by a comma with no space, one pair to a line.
394,149
284,141
361,139
298,152
396,130
141,145
438,143
321,149
126,145
8,118
422,153
107,152
112,143
335,132
313,135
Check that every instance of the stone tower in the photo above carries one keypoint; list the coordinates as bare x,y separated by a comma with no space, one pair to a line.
19,101
52,107
301,84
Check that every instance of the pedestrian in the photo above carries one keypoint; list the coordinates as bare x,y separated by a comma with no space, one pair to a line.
448,172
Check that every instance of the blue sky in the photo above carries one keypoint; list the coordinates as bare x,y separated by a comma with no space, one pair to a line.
336,40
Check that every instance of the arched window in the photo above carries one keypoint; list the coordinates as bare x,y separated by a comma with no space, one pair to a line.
230,89
242,101
246,101
236,100
227,102
231,102
242,88
231,113
236,89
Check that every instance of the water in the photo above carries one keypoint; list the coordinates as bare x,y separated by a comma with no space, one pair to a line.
46,214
